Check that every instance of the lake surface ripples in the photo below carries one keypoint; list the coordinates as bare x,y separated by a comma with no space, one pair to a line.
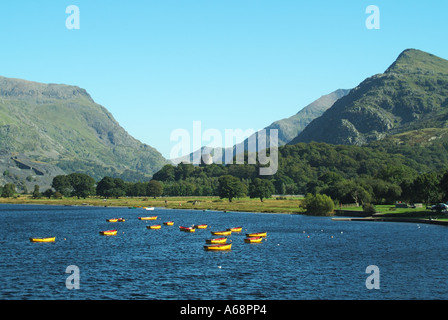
302,257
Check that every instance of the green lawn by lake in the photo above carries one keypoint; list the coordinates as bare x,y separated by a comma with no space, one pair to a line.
272,205
389,210
288,205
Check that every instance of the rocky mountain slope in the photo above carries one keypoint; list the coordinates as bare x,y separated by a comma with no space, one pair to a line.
288,128
61,125
411,94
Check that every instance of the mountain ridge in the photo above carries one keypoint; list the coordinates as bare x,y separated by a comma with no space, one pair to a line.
287,128
411,94
303,117
63,126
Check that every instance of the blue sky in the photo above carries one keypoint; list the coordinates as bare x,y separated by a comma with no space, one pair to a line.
159,65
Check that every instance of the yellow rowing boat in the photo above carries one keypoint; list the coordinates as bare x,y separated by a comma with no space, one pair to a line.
218,247
253,240
222,233
216,241
116,220
187,229
148,218
51,239
157,226
258,234
109,233
236,229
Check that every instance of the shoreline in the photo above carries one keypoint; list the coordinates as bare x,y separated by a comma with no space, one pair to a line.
178,203
156,207
208,204
393,219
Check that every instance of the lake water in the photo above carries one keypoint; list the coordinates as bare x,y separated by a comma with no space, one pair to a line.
302,257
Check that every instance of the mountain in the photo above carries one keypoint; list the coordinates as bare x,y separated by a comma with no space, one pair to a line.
25,173
62,126
411,94
288,128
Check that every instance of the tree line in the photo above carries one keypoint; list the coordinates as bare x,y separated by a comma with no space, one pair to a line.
376,174
81,185
347,174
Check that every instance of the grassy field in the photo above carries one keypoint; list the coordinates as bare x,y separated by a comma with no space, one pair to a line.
389,211
290,205
273,205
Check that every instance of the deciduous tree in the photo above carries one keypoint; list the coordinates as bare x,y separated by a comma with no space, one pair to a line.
261,188
154,189
231,187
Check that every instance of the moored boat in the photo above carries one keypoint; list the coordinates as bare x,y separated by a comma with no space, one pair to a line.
222,233
253,240
258,234
50,239
216,240
116,220
187,229
148,218
149,208
169,223
235,229
109,233
218,247
200,226
156,226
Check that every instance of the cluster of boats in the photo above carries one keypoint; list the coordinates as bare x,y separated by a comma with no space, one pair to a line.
214,244
114,232
220,244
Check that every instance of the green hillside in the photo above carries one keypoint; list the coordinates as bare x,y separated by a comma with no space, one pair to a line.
63,126
289,128
412,94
